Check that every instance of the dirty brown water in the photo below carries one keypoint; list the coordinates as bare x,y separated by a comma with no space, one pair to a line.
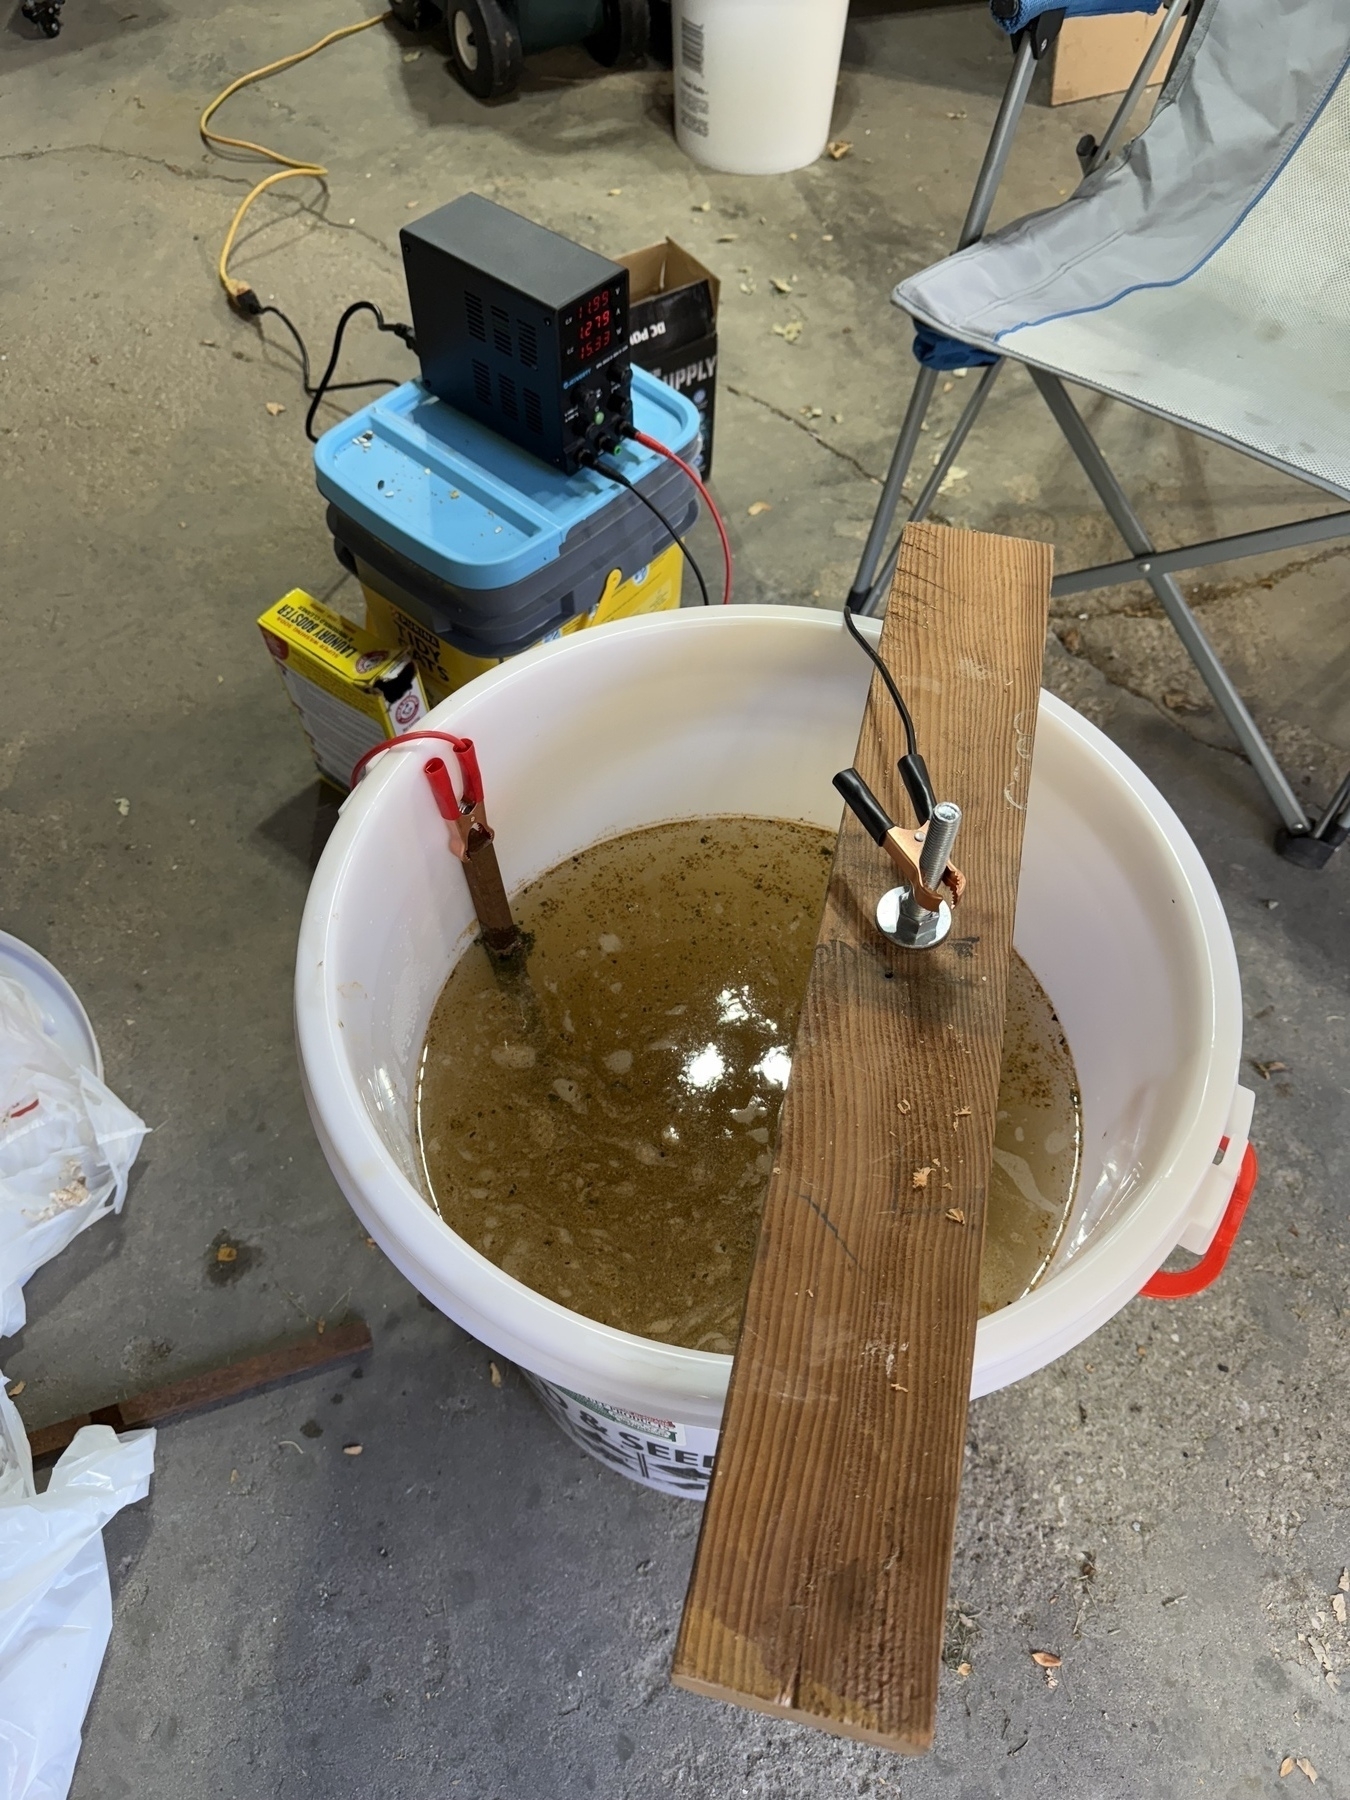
601,1125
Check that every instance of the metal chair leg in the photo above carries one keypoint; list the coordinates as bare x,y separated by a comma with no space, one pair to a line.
1337,815
884,517
881,582
1000,144
1094,158
1188,628
1315,850
862,595
960,432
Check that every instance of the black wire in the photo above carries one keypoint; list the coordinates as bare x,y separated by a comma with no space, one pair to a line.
325,380
326,384
334,387
911,741
277,313
607,468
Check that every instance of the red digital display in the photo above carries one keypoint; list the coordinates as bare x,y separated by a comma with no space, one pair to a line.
592,328
595,327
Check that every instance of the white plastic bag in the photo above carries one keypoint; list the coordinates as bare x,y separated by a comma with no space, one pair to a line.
66,1145
55,1603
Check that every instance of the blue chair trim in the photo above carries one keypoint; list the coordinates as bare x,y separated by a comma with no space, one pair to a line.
1013,16
935,350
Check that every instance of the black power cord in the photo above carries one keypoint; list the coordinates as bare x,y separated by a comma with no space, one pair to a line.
403,332
334,387
607,468
326,384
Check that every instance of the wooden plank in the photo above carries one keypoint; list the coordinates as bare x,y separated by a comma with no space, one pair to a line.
819,1588
1096,57
212,1388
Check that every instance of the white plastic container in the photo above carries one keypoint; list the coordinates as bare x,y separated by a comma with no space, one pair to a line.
63,1017
752,710
755,80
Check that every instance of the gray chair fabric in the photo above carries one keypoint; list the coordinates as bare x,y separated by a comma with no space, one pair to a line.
1205,274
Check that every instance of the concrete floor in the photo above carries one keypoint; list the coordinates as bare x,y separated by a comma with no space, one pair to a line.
472,1607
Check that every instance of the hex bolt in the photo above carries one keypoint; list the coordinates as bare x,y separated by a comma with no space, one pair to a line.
943,824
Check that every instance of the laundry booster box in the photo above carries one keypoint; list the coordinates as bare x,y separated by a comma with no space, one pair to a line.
469,549
351,688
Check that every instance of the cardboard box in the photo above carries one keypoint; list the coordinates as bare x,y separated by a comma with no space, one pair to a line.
1099,56
442,668
672,327
351,690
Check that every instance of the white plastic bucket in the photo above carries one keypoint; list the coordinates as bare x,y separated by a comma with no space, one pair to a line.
752,710
755,80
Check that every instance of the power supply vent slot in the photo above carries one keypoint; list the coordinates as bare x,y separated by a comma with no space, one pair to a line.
501,330
534,412
529,343
506,389
473,312
482,382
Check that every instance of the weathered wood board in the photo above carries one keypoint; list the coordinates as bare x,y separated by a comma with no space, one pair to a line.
820,1585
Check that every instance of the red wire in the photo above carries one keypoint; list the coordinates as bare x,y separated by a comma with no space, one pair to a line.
652,443
465,755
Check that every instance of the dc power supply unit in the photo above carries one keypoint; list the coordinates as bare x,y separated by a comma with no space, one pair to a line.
520,328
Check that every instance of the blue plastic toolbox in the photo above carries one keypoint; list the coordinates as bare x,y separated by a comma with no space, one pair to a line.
487,546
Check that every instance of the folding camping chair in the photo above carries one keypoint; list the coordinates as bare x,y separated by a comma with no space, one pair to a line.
1201,275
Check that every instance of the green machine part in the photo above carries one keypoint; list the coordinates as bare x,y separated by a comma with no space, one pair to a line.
489,39
548,24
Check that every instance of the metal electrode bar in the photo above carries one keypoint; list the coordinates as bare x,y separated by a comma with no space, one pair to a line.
471,842
488,893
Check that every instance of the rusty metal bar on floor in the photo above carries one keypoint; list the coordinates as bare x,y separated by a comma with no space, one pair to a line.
215,1387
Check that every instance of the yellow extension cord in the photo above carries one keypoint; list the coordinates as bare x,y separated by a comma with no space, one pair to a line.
289,169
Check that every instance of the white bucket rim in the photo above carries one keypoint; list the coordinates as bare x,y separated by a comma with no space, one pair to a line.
1013,1342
